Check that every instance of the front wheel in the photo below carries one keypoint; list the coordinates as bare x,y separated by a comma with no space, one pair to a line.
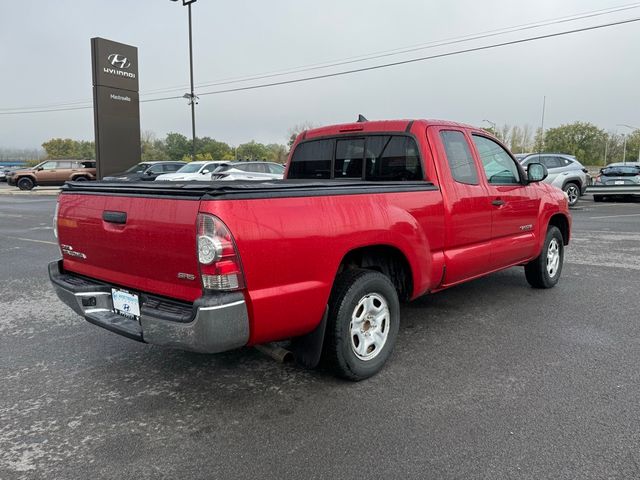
573,193
25,183
363,323
544,271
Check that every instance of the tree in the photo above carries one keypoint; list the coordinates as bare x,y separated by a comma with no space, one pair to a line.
253,151
217,150
177,146
583,140
278,152
69,148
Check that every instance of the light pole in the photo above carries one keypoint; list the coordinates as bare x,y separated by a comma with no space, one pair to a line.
191,96
631,127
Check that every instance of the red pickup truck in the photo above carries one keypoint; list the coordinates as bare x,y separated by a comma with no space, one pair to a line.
370,214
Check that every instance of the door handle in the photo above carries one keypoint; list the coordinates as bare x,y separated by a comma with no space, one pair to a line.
115,217
497,203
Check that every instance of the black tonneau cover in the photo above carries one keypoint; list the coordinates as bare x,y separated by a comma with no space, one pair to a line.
244,189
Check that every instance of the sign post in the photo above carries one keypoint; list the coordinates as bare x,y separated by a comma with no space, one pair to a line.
116,106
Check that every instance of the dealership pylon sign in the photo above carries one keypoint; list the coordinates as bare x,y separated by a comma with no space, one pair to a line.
116,105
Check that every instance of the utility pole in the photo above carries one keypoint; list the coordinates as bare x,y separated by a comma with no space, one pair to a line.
191,96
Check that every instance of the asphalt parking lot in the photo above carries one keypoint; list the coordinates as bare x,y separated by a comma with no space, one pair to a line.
489,380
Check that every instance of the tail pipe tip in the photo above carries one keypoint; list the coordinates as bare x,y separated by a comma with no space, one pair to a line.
279,354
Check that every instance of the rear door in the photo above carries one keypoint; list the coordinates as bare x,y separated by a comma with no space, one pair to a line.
515,206
468,210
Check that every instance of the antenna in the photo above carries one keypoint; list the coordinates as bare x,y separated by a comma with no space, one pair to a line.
361,118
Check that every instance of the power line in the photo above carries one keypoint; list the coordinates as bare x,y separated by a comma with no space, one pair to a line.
374,67
411,48
349,60
421,59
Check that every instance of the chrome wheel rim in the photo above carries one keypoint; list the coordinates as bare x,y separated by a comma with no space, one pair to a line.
369,327
553,257
572,193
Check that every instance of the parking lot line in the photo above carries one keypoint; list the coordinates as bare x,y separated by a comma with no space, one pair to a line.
616,216
31,240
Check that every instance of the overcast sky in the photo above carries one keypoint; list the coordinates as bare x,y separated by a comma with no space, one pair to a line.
45,59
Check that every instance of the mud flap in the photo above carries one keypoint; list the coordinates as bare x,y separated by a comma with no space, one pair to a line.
308,348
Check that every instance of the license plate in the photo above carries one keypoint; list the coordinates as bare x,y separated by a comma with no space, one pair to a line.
619,182
125,303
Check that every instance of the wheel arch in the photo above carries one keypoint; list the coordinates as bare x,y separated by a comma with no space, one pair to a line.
560,221
386,259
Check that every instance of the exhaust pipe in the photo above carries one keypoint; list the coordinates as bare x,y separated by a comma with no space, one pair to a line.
279,354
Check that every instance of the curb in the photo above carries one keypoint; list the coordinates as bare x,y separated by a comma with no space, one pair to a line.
48,191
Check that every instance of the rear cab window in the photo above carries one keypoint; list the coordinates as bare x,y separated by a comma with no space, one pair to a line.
376,157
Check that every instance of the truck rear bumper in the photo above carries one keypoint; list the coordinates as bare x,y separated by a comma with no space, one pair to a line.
211,324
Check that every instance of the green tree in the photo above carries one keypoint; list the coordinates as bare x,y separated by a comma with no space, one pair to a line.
253,151
152,148
583,140
217,150
177,146
278,152
60,148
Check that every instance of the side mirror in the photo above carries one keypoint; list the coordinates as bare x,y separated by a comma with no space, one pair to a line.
204,172
39,168
536,172
148,172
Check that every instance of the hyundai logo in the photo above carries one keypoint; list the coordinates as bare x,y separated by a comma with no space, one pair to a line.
119,61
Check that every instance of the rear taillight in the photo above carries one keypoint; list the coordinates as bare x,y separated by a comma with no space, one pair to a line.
55,220
220,267
598,179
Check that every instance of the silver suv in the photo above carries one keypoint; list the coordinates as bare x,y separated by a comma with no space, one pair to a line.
565,172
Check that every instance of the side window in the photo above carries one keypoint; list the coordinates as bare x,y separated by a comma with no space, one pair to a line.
64,165
398,159
463,168
551,162
170,167
498,165
277,169
49,165
155,169
348,163
312,160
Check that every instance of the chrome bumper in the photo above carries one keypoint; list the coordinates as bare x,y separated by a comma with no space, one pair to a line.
211,324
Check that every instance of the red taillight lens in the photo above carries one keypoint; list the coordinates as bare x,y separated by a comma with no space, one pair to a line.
598,179
220,267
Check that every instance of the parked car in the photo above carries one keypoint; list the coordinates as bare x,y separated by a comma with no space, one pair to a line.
323,260
192,171
249,171
565,172
617,174
5,171
145,171
53,172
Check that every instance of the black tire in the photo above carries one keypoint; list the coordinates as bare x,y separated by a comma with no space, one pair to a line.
598,198
25,183
350,289
537,272
81,178
572,190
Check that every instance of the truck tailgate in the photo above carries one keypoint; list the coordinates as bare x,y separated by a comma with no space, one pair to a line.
136,242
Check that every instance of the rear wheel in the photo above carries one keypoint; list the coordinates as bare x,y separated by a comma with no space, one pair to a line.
544,271
573,193
364,317
25,183
80,179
